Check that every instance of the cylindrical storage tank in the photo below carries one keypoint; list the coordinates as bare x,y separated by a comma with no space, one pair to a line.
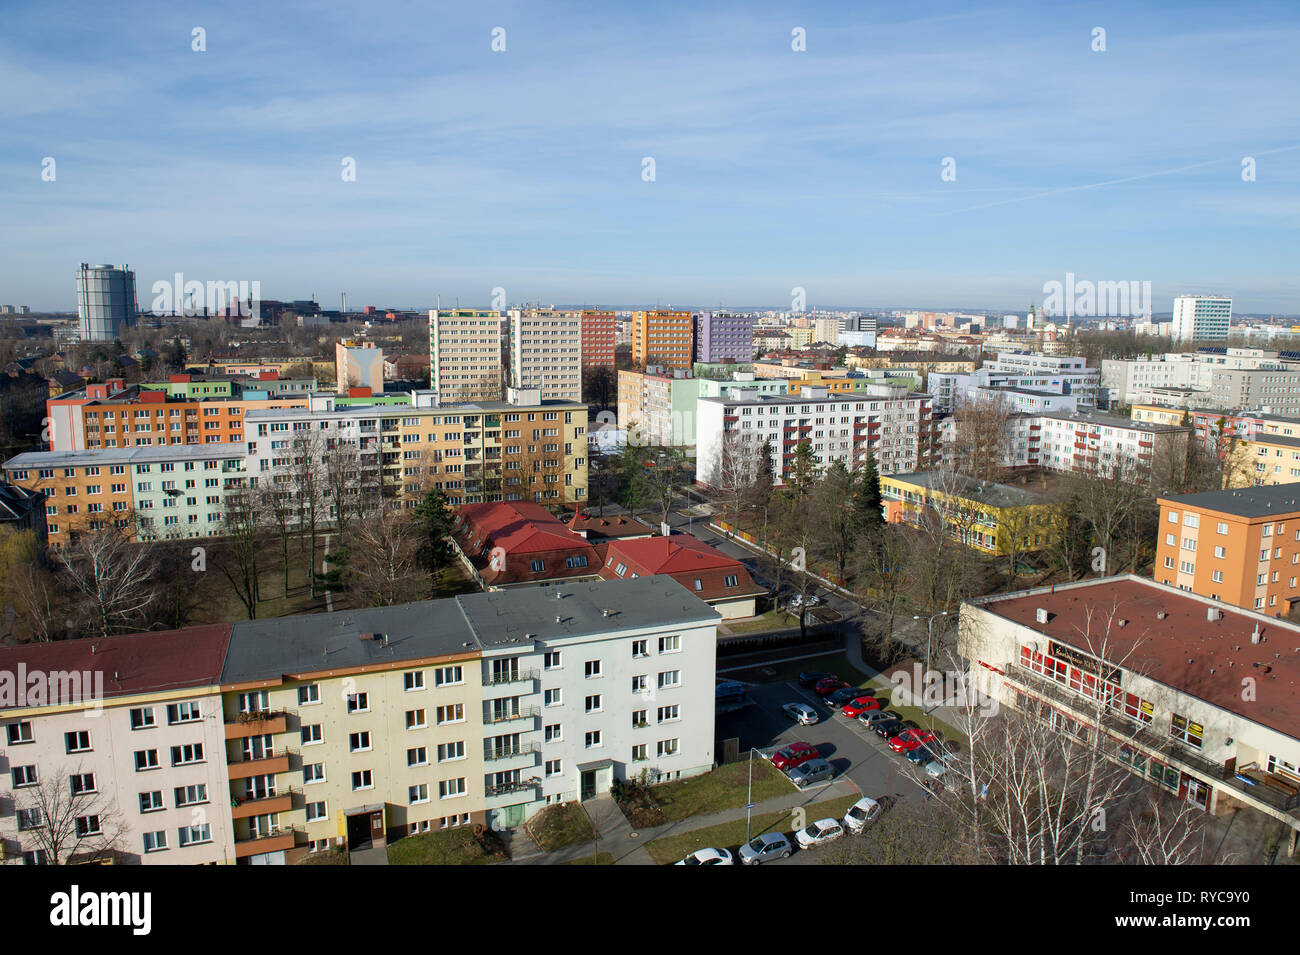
106,302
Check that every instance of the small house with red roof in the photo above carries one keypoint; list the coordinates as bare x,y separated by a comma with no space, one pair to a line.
513,543
720,581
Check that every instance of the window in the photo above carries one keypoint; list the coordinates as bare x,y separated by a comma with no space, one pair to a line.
551,698
451,751
316,811
1185,731
417,794
552,660
309,694
445,676
592,668
639,648
537,566
363,779
667,747
184,713
449,788
194,835
576,561
88,826
142,718
669,713
191,795
146,759
1220,552
670,644
593,739
311,734
592,703
417,756
188,753
19,733
450,714
77,741
358,702
416,719
638,753
155,841
731,580
29,819
553,733
413,680
1222,527
554,767
359,742
670,678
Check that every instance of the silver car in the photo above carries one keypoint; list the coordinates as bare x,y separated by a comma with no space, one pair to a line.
812,771
771,845
801,713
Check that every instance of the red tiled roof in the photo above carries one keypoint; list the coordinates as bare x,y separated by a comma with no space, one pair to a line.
616,525
526,532
684,558
133,663
1180,649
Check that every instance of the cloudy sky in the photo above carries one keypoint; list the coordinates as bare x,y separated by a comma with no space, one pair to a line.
773,168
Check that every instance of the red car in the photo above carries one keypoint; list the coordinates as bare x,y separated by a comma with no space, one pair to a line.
856,707
829,685
909,740
794,754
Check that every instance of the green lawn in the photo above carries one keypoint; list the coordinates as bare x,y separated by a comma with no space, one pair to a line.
725,788
451,847
730,835
565,824
772,620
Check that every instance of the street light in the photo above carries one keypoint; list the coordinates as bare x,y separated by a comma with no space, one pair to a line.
749,799
929,632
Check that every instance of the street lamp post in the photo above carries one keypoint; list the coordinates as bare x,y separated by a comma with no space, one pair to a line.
929,633
749,799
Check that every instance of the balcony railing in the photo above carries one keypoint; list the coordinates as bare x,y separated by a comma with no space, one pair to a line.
506,789
493,753
520,713
515,676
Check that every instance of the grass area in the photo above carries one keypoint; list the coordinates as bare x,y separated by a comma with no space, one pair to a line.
729,835
565,824
333,857
772,620
725,788
452,847
603,858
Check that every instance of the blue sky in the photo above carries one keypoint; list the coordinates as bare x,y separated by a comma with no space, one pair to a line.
774,168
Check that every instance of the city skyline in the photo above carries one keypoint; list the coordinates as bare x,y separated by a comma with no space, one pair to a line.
774,168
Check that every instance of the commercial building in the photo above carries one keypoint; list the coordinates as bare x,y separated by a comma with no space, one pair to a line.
1160,673
722,335
662,338
1239,546
1201,318
989,517
546,352
298,734
465,357
894,425
173,492
106,302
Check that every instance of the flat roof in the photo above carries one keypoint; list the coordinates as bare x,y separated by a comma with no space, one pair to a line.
985,492
1263,437
1113,421
145,455
1207,659
1261,501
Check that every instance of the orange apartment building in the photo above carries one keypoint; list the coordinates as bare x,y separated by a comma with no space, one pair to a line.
1241,546
663,338
110,416
597,339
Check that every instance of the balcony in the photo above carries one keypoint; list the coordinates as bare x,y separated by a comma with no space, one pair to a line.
514,676
242,807
510,757
260,723
511,794
510,716
262,766
277,840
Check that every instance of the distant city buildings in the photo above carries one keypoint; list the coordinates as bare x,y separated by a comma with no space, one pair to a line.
722,335
662,338
1202,318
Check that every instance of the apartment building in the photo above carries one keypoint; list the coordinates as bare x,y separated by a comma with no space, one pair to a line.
1108,444
465,351
988,517
358,364
1264,459
174,492
297,734
1159,673
722,335
546,352
1020,373
1201,318
114,750
525,448
657,406
1273,391
662,338
894,425
598,339
1251,556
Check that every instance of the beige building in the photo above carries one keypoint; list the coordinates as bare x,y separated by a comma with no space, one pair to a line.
546,352
465,354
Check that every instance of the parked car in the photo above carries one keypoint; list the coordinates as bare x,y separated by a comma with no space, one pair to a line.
810,771
859,705
910,739
843,695
801,713
819,833
887,728
708,857
811,678
921,754
771,845
872,717
862,814
935,768
794,754
829,685
729,692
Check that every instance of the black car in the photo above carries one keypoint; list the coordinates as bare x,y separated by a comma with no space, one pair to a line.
840,697
812,678
887,729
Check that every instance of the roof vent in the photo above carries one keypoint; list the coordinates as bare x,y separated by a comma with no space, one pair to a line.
1255,636
1213,613
559,619
1123,622
609,613
1041,615
1161,614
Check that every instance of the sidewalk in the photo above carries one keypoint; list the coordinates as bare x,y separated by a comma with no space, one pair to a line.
617,838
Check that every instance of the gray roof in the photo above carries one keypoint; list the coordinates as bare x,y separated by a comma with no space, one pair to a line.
983,492
133,456
1114,421
1246,501
306,643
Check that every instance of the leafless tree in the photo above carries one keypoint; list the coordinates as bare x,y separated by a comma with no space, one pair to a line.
979,430
383,566
309,488
237,560
70,818
42,601
113,575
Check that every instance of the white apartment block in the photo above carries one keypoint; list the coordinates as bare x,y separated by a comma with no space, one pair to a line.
1201,318
892,423
1102,443
1133,381
465,354
546,352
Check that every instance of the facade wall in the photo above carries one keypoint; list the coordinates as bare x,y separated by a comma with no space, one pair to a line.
546,352
662,338
465,354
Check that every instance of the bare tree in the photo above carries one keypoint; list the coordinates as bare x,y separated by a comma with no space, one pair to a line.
113,576
69,819
42,602
978,438
383,565
242,525
309,489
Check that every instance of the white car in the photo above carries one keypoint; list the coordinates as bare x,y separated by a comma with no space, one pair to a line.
862,814
708,857
819,833
801,713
